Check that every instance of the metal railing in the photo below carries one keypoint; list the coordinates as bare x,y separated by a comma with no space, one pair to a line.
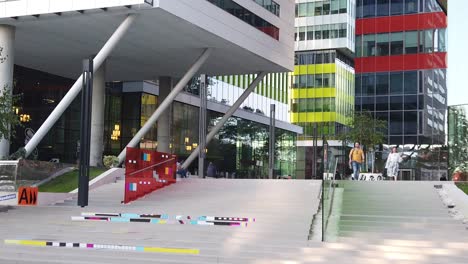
16,173
328,190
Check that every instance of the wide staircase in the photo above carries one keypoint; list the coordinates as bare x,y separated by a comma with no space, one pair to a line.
283,212
405,221
370,222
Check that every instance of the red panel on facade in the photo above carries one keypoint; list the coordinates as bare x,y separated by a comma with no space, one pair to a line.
401,23
147,171
401,62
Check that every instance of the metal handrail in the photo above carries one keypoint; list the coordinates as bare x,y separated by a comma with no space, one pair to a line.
152,166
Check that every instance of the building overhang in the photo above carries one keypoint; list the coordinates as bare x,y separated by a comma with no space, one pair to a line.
161,42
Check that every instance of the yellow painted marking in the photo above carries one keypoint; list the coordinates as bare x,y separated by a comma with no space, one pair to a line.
26,242
172,250
162,222
188,251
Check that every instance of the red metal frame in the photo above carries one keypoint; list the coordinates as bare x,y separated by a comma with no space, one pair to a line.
147,171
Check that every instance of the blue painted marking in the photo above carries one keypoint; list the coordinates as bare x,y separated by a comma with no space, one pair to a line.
119,219
131,215
141,249
154,221
193,222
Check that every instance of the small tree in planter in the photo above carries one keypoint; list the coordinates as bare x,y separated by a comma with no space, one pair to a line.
8,117
365,130
111,161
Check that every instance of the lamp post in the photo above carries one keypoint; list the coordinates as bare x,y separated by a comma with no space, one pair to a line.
85,133
271,152
202,126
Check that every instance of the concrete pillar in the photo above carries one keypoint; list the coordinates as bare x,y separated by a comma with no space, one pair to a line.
7,38
97,116
164,121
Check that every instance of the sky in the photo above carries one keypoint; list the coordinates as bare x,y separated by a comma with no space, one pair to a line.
457,52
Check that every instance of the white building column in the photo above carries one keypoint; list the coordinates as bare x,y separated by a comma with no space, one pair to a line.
7,39
164,121
97,116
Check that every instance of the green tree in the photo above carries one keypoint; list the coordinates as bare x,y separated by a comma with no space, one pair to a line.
366,130
8,117
458,139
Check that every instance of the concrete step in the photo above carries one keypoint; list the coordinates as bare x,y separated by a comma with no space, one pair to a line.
423,236
404,229
398,219
404,225
330,253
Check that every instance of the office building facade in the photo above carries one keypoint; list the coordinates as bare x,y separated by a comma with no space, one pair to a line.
322,94
235,43
401,68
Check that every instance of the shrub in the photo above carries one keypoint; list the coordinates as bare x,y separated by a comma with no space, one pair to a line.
111,161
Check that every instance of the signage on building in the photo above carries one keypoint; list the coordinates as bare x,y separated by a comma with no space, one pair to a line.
27,195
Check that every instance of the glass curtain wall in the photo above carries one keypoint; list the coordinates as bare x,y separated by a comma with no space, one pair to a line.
398,43
379,8
40,93
412,102
245,140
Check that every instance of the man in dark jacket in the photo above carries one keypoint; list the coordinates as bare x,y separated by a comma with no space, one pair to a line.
211,171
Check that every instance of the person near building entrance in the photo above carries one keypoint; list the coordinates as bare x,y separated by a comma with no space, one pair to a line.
356,158
211,171
393,163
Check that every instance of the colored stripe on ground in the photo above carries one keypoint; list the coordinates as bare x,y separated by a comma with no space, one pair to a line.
166,216
39,243
155,221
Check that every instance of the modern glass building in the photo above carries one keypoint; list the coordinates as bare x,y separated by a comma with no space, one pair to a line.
401,78
240,149
401,68
235,43
322,94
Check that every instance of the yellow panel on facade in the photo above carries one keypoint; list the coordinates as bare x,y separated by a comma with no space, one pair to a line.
294,117
313,117
314,68
313,93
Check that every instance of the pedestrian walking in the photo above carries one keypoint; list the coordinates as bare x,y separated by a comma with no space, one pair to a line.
211,171
356,158
393,163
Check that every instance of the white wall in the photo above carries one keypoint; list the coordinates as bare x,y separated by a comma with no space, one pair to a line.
37,7
211,18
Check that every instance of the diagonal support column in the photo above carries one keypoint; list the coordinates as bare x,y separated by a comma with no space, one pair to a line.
225,118
76,88
166,103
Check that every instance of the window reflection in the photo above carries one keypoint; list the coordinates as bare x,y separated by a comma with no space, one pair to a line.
247,16
379,8
425,104
397,43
